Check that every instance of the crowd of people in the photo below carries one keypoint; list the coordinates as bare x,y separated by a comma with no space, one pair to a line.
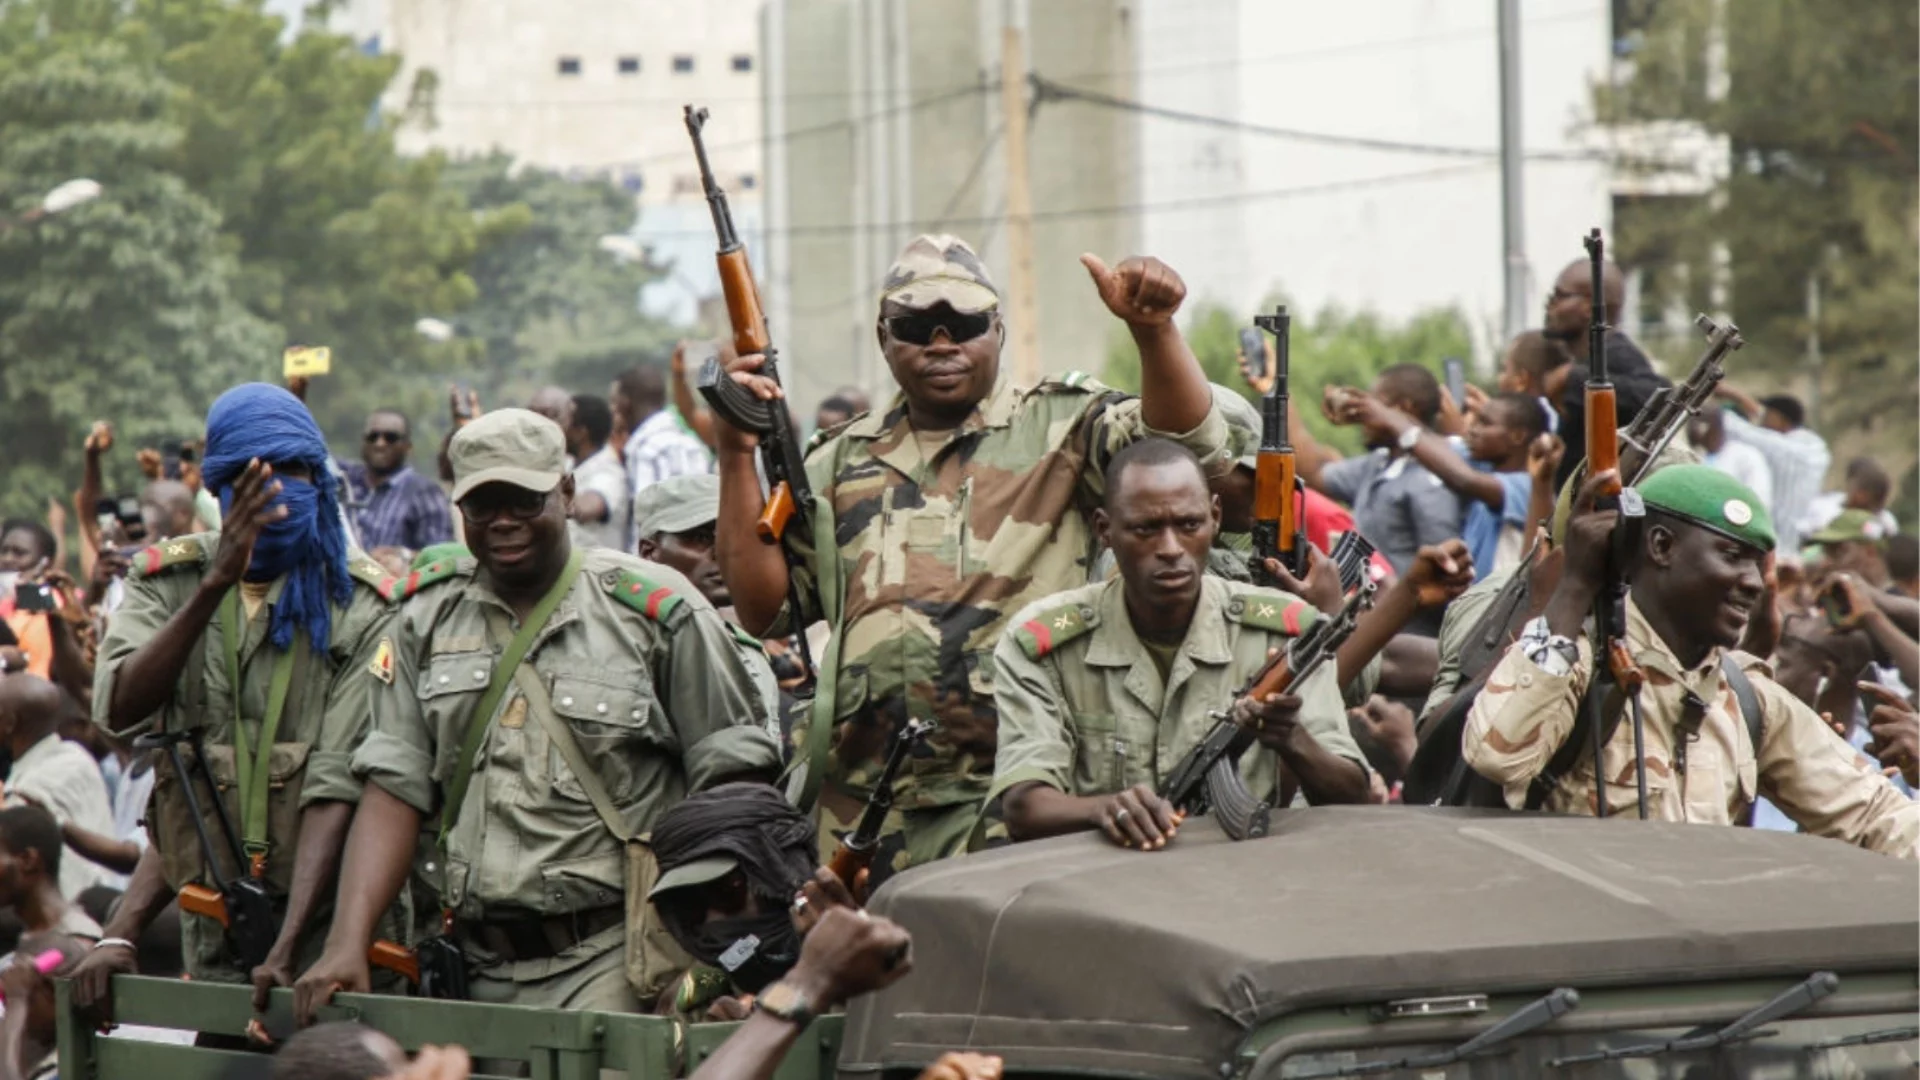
554,721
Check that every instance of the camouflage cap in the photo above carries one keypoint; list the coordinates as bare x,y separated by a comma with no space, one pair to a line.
1850,525
1703,495
677,504
507,446
935,269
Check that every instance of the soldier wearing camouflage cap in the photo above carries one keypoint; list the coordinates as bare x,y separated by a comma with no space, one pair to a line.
605,687
944,512
1696,578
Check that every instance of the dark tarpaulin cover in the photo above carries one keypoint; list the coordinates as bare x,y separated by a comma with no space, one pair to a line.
1075,954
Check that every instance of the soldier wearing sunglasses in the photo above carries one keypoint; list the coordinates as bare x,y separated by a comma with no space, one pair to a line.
948,509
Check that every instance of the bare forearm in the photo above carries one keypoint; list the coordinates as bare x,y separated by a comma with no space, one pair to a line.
1904,611
1035,810
1454,471
323,832
84,501
69,662
697,418
1174,396
146,679
589,507
1762,634
119,856
1903,650
1539,507
1409,665
1309,457
379,849
1325,778
755,572
1374,628
146,896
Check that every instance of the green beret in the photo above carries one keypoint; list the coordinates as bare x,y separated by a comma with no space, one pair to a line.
1705,496
1850,525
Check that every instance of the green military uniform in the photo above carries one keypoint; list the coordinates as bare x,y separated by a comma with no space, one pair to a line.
656,688
938,537
328,703
1083,708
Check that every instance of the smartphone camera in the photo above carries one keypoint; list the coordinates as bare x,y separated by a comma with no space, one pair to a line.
32,597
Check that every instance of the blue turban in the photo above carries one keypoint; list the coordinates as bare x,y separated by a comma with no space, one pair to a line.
309,546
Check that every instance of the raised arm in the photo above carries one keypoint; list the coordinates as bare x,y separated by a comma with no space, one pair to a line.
1145,293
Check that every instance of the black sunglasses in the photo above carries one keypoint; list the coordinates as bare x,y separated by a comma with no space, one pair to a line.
385,436
515,502
918,327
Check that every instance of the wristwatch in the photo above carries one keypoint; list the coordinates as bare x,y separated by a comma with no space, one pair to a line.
783,1000
1552,653
1410,437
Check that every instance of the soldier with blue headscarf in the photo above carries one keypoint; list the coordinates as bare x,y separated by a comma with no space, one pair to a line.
269,637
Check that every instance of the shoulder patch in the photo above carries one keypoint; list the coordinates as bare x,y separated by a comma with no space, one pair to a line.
1053,628
364,570
169,555
399,588
826,435
1072,382
643,594
1273,611
747,639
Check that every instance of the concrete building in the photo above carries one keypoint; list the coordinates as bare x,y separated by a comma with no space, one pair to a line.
884,120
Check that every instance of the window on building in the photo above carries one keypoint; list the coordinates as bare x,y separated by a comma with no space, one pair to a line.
569,65
743,63
683,64
747,181
629,65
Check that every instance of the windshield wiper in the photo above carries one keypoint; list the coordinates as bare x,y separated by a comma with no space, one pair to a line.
1785,1004
1866,1038
1530,1016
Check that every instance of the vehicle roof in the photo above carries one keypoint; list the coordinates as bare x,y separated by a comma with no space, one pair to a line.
1075,954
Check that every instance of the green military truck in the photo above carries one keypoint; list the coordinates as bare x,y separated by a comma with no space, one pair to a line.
1352,941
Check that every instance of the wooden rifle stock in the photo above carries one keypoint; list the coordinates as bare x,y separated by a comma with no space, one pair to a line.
775,514
205,902
1276,483
744,313
396,958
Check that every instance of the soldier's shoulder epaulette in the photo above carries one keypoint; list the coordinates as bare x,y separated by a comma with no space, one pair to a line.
826,435
1054,627
420,577
169,556
365,570
1270,609
1071,382
649,596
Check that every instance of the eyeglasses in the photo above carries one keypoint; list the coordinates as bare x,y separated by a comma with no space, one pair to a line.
385,437
918,327
1558,294
516,502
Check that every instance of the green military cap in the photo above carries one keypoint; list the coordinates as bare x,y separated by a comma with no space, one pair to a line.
1850,525
1705,496
698,872
935,269
508,446
676,505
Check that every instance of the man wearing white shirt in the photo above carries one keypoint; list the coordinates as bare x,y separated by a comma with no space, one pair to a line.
658,443
1796,455
58,776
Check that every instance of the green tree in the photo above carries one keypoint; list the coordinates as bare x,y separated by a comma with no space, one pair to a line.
1333,348
1820,102
124,307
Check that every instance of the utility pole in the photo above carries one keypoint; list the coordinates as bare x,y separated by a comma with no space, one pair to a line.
1513,240
1022,311
1814,363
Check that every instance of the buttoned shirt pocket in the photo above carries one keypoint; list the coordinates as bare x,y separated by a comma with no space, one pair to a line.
1100,757
583,884
612,718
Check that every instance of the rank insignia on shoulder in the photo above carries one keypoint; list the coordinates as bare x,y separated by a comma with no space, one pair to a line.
399,588
644,595
170,555
381,667
1052,629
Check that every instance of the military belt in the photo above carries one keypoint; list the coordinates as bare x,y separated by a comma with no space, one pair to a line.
538,937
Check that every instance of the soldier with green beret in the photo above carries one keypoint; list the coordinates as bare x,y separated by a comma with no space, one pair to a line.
509,667
1696,579
1102,689
937,517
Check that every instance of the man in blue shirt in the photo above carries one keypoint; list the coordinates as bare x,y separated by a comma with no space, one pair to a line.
393,506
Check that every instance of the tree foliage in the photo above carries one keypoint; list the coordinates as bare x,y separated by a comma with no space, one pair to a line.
1332,348
1819,107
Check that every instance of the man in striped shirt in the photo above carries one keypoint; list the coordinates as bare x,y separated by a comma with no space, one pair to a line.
1796,455
393,506
658,443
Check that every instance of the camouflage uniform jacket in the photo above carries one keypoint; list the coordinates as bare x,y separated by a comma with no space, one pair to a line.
937,541
1083,709
660,692
325,717
1819,781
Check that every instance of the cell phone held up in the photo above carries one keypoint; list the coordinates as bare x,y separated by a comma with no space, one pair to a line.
33,596
1456,373
1254,348
1836,603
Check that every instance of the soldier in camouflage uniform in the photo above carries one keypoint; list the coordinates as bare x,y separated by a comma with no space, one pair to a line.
1695,581
658,692
961,501
276,591
1102,689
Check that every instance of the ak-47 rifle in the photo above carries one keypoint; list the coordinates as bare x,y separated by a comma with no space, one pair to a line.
857,848
436,968
1208,777
1667,413
241,904
1614,663
789,497
1276,485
